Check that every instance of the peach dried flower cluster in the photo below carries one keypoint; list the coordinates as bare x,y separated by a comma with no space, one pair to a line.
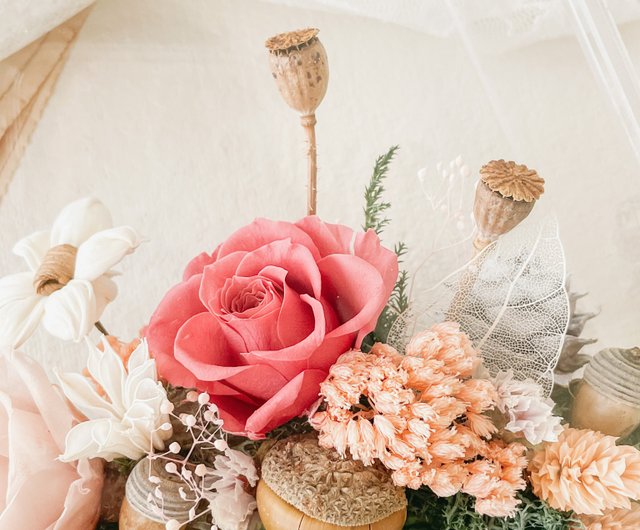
585,471
422,415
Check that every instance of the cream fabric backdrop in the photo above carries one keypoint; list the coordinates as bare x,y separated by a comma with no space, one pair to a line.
166,110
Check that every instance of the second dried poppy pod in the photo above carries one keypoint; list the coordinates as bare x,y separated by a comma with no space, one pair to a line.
505,196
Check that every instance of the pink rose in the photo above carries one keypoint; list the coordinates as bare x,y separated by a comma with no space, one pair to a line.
37,491
258,323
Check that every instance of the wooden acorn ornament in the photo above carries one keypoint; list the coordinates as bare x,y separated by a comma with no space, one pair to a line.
300,68
140,508
608,399
307,487
505,196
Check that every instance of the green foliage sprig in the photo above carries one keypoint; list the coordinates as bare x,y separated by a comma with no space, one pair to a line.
429,512
375,207
375,218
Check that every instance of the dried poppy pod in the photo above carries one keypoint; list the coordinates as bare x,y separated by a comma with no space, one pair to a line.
299,65
307,487
609,396
505,196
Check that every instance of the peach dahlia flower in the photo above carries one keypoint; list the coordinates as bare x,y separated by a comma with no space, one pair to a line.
585,471
619,519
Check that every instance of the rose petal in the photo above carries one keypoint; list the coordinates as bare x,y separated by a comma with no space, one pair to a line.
33,248
262,232
197,264
20,309
78,221
177,306
291,401
205,349
297,260
215,276
339,239
295,321
71,312
356,290
103,250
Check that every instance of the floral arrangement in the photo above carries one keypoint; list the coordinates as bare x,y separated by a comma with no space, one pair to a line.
293,379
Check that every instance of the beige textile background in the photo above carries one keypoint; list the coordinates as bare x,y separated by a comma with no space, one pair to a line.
166,111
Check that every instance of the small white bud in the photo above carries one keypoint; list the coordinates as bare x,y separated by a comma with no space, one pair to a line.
221,445
166,407
201,470
203,398
171,467
192,396
174,448
172,525
189,420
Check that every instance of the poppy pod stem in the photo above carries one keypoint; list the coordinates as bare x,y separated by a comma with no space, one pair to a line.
309,124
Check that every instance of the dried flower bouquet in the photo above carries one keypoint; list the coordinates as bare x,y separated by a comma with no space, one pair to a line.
293,380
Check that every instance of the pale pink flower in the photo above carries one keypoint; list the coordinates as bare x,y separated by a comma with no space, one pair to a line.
528,413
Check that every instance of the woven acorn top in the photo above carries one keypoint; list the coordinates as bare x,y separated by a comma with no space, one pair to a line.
291,40
512,180
325,486
616,373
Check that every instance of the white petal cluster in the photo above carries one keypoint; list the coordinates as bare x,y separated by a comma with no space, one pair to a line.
528,413
129,419
70,312
230,504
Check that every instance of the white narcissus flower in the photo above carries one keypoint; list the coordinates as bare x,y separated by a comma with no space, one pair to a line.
127,421
69,283
528,413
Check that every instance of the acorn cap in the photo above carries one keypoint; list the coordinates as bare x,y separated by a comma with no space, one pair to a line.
512,180
325,486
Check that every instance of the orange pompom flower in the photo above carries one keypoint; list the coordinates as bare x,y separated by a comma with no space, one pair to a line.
424,418
585,471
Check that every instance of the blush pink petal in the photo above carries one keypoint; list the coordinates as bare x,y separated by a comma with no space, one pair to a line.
197,264
297,260
178,306
357,292
297,396
300,351
262,232
203,348
296,320
340,239
38,491
215,276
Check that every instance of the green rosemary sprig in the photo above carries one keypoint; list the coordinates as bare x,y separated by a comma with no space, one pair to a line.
375,207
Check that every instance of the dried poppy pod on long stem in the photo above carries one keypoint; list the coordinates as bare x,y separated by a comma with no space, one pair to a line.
299,65
505,196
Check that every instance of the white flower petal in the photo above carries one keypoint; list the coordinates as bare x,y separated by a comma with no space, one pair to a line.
84,397
20,309
139,357
33,248
98,439
104,250
71,312
78,221
107,369
106,291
